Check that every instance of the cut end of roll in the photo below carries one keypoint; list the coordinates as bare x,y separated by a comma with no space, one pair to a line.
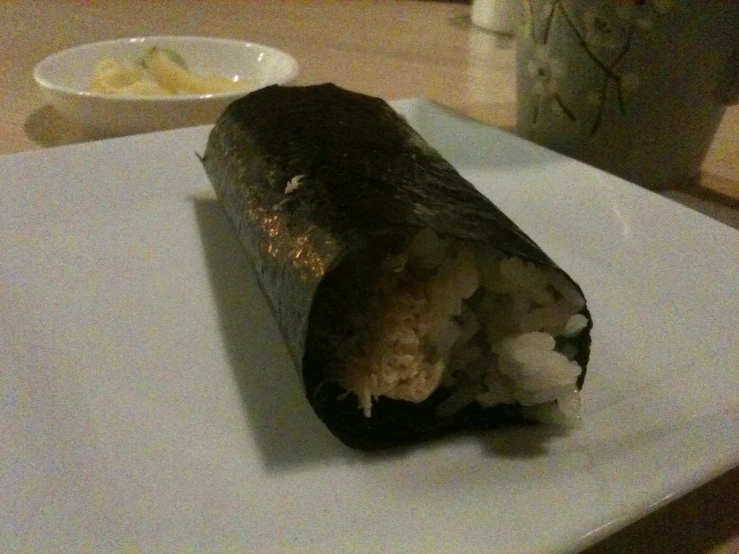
486,327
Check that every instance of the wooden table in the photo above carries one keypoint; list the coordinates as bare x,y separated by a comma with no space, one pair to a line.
392,49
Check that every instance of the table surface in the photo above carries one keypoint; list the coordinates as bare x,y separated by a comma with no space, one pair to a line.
392,49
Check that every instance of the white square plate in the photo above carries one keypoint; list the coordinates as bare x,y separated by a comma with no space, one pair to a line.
149,403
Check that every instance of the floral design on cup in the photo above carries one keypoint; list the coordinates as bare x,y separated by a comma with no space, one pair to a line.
605,37
546,72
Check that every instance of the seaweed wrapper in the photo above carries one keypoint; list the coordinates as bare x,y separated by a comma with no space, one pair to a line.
311,176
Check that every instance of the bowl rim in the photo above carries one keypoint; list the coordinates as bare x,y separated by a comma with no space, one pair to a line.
44,82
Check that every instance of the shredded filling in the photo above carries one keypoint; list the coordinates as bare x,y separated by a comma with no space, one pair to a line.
466,317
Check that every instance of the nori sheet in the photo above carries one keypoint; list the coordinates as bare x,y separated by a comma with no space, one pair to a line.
314,176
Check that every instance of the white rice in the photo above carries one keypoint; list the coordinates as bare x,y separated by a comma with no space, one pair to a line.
469,319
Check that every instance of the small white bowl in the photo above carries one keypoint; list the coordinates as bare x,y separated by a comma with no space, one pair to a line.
64,77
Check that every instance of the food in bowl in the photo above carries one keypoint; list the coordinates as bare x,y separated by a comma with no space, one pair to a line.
159,72
411,305
64,79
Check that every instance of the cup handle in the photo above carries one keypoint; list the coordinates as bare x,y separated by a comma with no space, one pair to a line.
728,88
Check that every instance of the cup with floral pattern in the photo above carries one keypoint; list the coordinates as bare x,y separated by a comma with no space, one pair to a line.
635,87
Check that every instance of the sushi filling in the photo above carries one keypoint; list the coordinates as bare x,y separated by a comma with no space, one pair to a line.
489,328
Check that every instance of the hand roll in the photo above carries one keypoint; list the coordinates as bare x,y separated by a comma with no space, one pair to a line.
412,306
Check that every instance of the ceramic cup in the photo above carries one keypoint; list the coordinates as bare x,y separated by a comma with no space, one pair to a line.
637,88
495,15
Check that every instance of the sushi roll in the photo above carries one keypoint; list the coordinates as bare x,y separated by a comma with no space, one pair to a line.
412,307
